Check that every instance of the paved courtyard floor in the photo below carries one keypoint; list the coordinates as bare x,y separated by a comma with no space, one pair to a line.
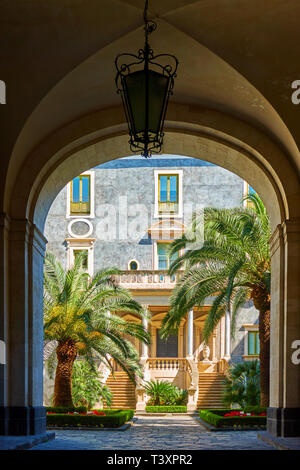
154,433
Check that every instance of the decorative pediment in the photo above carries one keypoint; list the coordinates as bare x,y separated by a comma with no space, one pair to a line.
157,318
167,229
131,318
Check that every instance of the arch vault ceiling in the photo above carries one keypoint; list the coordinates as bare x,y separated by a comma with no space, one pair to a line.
239,57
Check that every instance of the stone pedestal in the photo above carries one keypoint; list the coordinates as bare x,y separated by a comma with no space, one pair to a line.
283,417
21,406
22,420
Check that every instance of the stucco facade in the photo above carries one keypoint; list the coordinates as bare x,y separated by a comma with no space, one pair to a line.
122,226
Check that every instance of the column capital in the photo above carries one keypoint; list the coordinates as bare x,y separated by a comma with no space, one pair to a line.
291,230
19,229
288,231
276,240
37,239
4,221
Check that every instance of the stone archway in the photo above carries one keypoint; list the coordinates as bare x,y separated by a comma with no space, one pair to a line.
25,246
229,112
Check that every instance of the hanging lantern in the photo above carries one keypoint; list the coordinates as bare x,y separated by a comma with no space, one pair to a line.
145,83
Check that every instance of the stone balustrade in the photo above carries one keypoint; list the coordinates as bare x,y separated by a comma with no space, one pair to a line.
147,279
168,363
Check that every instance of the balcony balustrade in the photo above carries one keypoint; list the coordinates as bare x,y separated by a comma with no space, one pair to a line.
168,207
155,279
80,208
167,363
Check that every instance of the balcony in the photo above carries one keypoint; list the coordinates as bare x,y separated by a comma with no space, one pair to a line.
78,208
168,207
147,279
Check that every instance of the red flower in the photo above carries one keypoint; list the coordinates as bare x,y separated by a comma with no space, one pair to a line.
89,413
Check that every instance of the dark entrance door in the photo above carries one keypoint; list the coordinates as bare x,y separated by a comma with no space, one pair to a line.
166,348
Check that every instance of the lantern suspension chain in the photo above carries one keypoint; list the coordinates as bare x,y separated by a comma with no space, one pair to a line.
149,27
145,82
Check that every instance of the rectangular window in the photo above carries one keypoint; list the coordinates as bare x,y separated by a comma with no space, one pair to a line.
85,257
168,347
164,261
80,195
253,343
168,193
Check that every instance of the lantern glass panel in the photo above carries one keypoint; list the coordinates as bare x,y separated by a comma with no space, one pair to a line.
138,102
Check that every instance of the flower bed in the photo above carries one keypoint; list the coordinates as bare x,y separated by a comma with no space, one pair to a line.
228,418
166,409
93,418
66,409
88,413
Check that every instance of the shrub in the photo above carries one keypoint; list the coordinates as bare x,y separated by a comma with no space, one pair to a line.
112,419
255,409
166,409
242,385
164,393
217,419
87,388
66,409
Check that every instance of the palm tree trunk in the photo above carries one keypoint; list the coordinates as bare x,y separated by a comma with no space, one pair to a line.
264,356
66,353
261,299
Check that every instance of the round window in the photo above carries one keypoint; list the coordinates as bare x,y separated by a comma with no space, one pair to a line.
133,266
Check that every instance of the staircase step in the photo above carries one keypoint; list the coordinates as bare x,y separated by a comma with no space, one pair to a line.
123,391
211,387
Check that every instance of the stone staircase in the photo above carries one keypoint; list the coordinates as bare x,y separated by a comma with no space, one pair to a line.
123,390
211,387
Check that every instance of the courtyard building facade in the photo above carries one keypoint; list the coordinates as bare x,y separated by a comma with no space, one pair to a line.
125,213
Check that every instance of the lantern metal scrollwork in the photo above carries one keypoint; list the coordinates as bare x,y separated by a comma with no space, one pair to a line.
145,82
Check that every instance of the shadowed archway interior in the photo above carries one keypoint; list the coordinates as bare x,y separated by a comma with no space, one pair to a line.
231,106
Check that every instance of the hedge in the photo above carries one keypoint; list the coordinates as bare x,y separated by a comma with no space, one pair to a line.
216,418
112,419
166,409
111,411
66,409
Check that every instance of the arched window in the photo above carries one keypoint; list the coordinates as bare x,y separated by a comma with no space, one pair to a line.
133,266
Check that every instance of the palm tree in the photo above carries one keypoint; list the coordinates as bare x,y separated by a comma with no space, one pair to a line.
78,316
242,384
233,265
158,391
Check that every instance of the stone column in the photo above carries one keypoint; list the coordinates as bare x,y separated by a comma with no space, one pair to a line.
227,335
144,346
284,411
180,341
36,254
197,341
190,334
4,323
153,338
222,337
214,348
23,410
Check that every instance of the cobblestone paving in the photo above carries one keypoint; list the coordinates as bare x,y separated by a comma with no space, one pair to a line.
147,433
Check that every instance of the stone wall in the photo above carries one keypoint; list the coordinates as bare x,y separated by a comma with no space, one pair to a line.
247,315
130,181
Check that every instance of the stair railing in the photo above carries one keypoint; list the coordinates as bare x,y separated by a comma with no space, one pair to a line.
193,388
